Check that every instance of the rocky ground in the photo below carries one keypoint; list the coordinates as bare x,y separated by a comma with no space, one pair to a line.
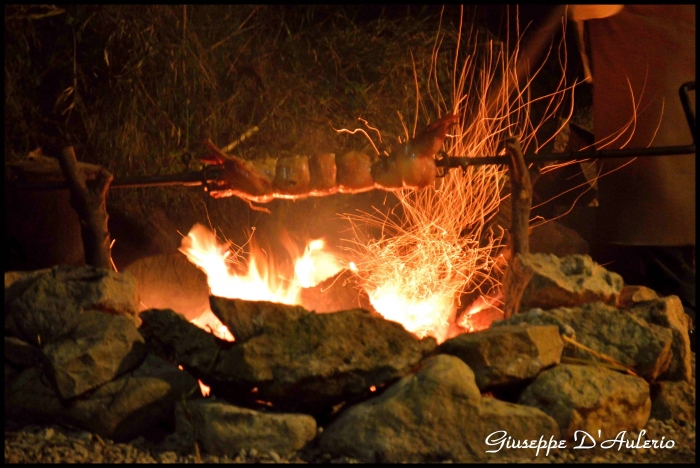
54,444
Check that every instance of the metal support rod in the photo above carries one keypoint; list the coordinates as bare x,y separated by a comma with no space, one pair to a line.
188,179
464,162
683,92
687,108
210,175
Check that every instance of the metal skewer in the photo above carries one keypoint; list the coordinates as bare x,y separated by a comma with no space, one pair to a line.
210,175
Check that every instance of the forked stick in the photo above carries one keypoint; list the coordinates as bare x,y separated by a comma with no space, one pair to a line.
88,198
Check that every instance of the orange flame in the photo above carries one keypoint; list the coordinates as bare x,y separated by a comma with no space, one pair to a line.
258,282
206,390
316,265
211,323
481,314
202,248
428,313
422,315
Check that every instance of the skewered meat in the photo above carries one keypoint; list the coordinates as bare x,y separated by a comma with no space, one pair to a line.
429,141
247,178
386,174
415,160
292,176
412,166
416,172
354,172
323,171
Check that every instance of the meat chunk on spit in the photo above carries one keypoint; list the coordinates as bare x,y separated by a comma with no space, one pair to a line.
292,176
411,166
323,172
354,172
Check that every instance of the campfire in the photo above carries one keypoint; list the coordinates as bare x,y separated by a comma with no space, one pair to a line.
256,278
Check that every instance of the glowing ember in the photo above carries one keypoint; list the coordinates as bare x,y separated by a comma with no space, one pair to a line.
206,391
481,314
211,323
421,314
203,249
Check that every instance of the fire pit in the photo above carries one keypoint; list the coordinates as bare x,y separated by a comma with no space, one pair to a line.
353,373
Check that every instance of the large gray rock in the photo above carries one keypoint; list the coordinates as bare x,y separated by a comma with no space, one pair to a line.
668,312
548,281
171,282
432,415
42,306
646,348
172,337
308,364
12,277
246,319
224,429
506,354
631,294
93,351
20,353
321,360
590,398
121,410
673,400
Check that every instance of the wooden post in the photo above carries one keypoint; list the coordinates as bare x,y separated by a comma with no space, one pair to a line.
521,198
521,202
88,198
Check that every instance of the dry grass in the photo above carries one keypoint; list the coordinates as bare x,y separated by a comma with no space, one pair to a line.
136,87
